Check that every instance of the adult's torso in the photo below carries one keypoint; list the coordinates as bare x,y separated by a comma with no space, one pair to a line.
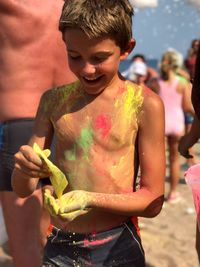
32,55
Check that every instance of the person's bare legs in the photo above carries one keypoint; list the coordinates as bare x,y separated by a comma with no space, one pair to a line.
22,218
174,165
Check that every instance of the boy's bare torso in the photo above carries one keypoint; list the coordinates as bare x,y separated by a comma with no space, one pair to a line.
32,55
95,145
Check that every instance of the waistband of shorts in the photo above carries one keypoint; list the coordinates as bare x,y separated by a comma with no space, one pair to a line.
76,237
7,122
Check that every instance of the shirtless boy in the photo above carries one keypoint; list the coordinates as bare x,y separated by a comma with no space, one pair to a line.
32,59
103,124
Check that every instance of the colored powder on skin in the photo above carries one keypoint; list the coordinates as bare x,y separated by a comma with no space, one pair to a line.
68,90
131,102
121,90
103,123
84,142
119,163
117,166
63,93
71,154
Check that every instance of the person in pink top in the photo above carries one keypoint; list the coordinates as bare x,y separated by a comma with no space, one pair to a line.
176,99
174,117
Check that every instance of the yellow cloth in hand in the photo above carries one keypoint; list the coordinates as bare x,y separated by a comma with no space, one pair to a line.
57,177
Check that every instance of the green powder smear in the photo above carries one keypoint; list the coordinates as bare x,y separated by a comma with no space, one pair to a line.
84,142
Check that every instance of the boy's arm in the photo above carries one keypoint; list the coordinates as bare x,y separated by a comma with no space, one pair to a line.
148,200
25,175
189,139
29,168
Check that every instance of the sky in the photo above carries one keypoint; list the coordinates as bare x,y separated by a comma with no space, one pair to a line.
172,24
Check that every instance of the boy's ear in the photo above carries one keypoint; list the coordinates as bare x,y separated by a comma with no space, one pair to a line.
127,51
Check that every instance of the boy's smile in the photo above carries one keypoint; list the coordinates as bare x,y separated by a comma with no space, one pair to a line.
94,61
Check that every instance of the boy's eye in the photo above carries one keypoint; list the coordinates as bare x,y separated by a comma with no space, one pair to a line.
74,57
99,59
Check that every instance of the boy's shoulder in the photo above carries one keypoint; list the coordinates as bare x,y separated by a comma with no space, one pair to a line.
149,101
150,98
60,93
63,90
146,93
57,96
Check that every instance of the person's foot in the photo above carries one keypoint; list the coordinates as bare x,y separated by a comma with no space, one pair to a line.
174,198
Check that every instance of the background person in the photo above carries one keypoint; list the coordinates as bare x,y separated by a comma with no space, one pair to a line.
151,74
190,60
176,99
138,72
190,138
33,59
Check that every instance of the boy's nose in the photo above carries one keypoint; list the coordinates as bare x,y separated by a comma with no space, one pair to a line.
88,68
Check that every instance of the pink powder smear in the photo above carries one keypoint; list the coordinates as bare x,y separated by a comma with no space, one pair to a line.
97,242
103,123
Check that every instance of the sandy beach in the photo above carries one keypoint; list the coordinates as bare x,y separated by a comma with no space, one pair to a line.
169,238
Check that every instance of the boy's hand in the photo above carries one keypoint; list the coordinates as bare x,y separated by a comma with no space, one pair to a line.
75,200
69,206
74,204
29,163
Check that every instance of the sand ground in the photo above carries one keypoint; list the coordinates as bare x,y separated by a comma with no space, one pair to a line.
169,238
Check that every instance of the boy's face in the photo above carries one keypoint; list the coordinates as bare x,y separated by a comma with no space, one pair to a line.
94,61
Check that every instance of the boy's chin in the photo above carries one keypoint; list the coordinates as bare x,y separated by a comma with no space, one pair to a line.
93,87
93,91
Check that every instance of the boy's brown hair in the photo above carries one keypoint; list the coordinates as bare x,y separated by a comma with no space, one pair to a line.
98,18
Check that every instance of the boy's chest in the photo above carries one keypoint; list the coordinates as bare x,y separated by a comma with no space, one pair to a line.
110,123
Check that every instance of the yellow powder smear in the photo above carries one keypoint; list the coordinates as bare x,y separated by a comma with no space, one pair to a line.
132,101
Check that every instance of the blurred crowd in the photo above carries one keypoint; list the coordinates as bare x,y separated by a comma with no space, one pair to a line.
172,80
